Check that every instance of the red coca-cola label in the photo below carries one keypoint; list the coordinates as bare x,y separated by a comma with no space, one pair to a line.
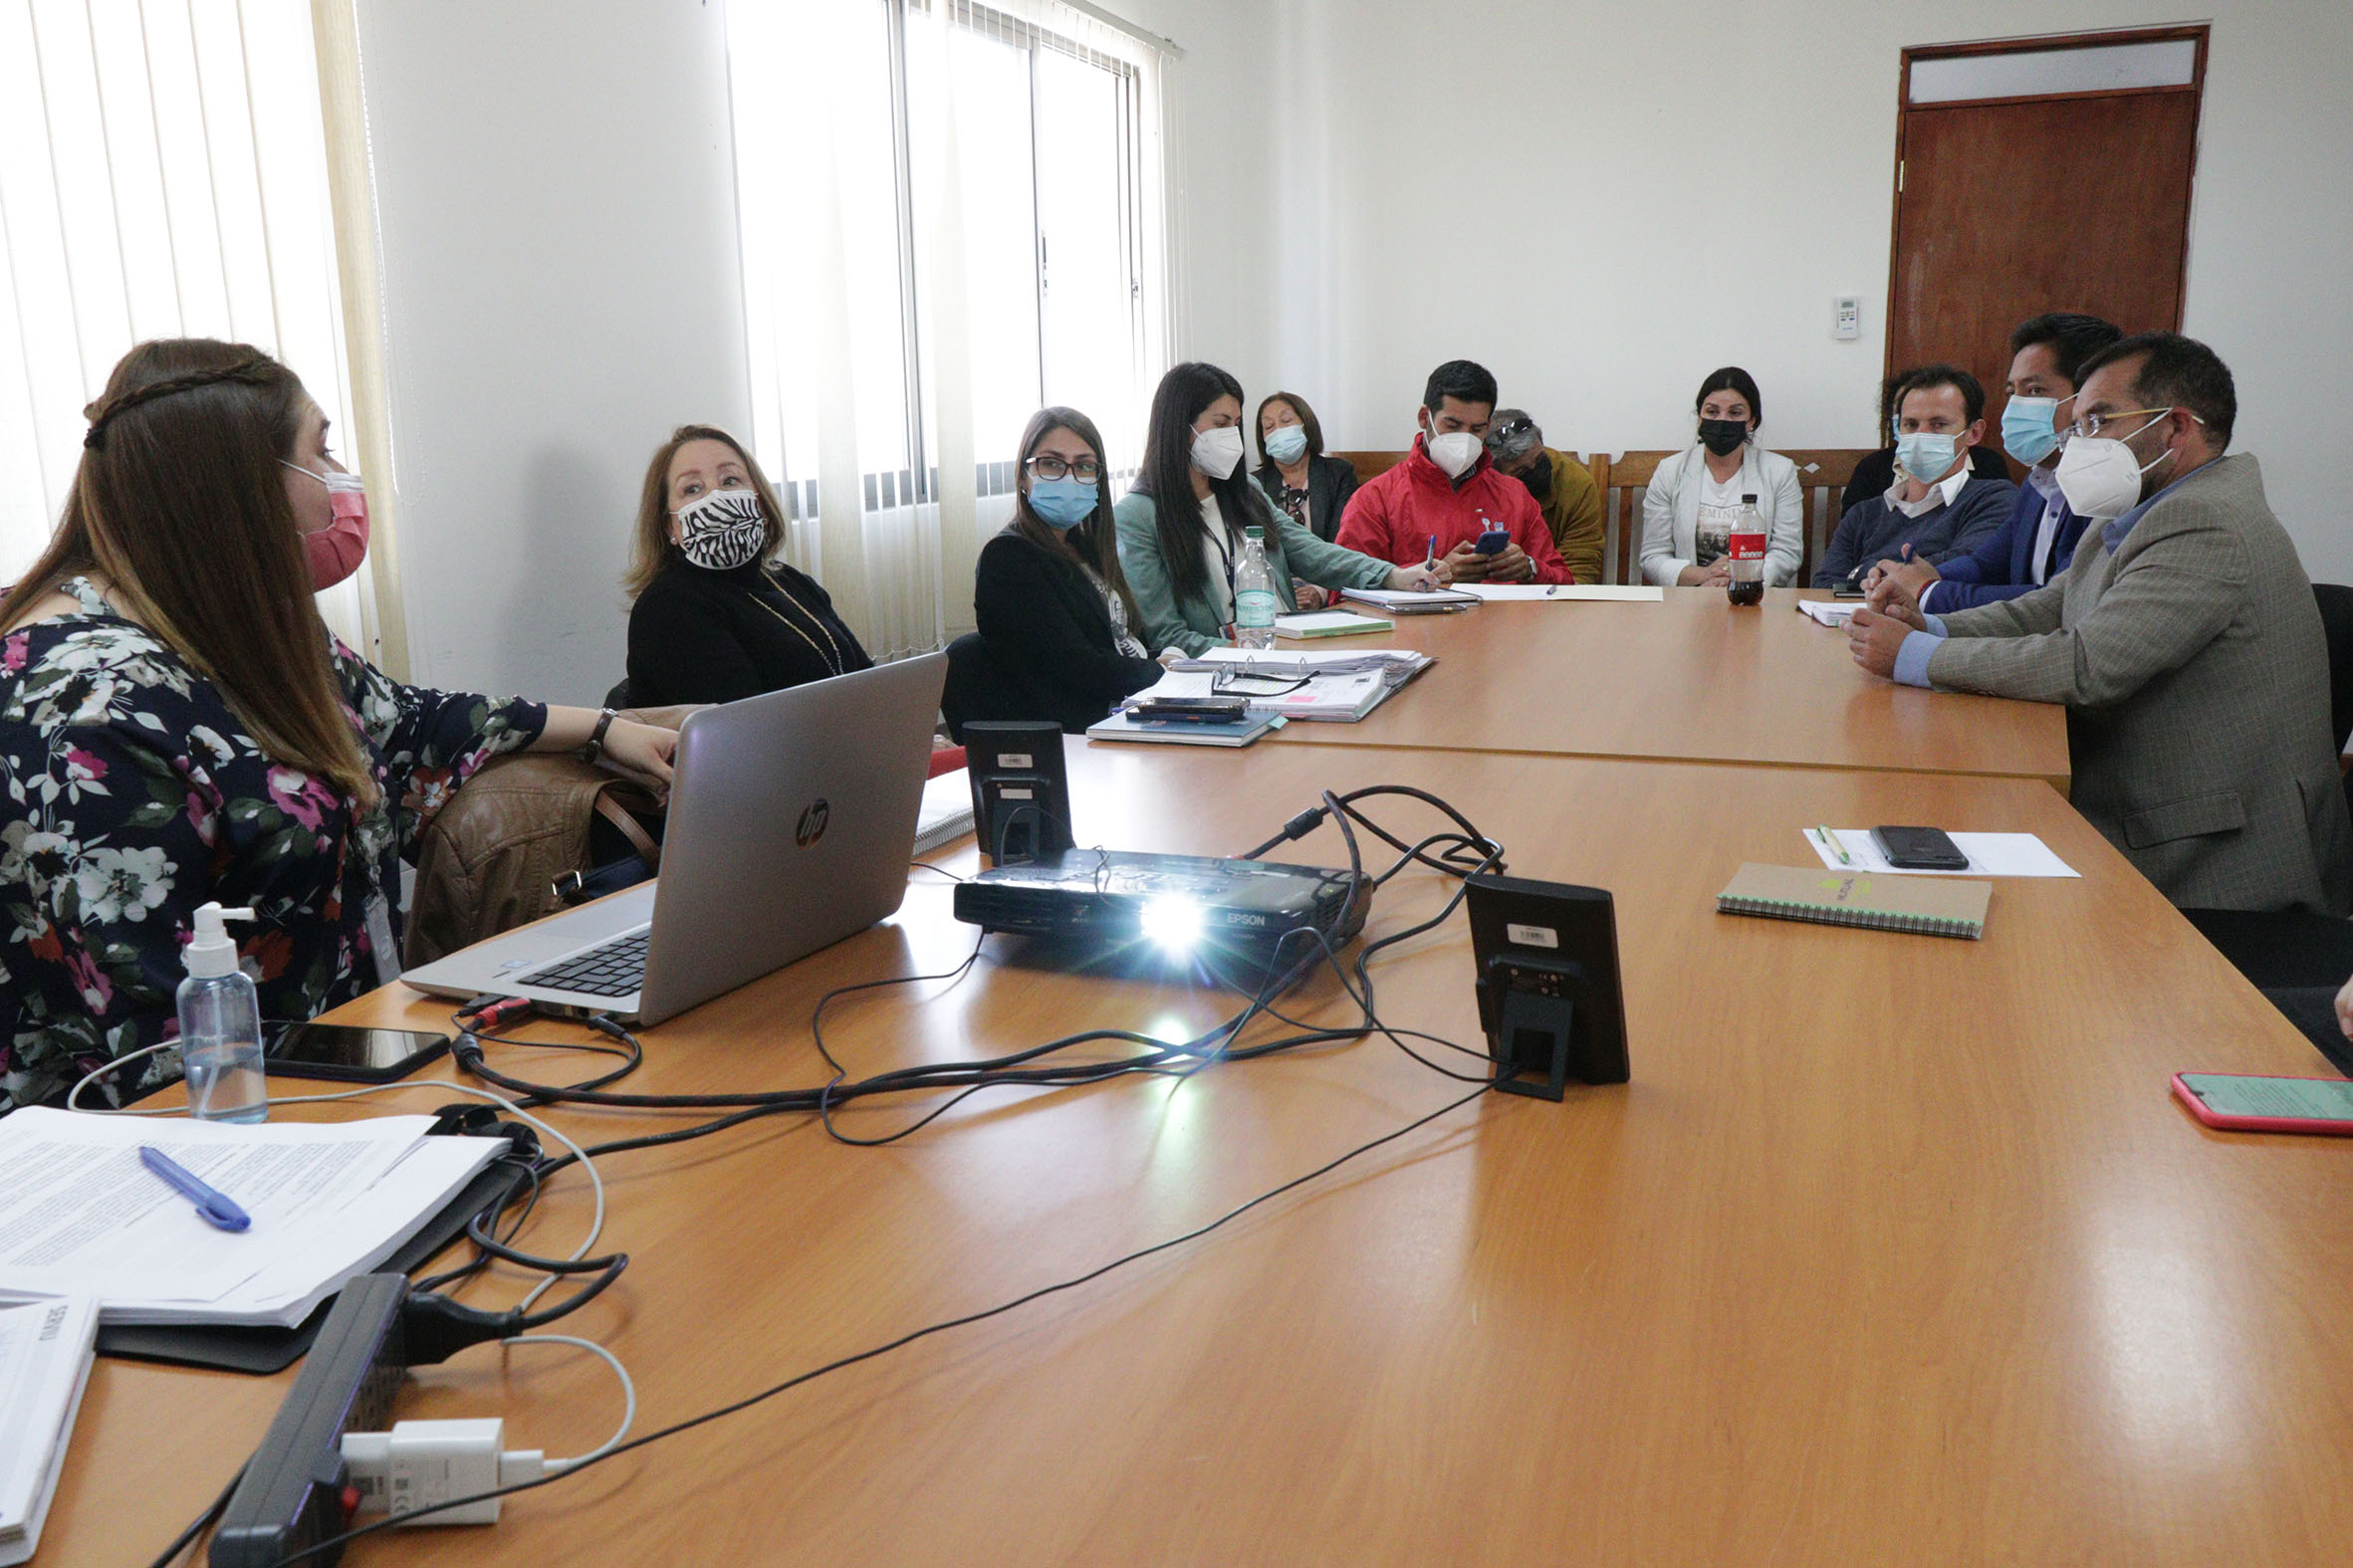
1746,547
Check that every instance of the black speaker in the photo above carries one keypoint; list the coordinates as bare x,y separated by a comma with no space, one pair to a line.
1547,982
1021,793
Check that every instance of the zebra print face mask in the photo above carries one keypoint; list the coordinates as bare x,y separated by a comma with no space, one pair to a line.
720,530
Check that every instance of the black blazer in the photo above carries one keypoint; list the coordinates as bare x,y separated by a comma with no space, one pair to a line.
697,635
1048,641
1873,474
1330,482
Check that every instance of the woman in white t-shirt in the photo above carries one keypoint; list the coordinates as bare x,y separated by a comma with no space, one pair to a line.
1689,508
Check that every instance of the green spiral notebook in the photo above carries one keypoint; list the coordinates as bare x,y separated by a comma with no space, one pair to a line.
1932,906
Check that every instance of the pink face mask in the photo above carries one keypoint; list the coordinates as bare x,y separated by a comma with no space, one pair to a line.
335,550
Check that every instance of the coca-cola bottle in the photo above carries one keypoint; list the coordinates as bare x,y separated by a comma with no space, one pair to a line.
1746,552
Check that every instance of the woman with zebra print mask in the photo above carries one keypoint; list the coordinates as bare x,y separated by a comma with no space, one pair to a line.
716,616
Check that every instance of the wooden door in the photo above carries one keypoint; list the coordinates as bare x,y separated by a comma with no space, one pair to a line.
2007,207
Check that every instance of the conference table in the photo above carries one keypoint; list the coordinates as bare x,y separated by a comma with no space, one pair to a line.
1685,677
1895,1247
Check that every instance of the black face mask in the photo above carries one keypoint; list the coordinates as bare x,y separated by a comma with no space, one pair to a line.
1723,436
1538,479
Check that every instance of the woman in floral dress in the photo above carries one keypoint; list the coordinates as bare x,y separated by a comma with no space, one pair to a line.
178,727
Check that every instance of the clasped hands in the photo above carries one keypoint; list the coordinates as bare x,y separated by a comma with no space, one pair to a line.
1889,613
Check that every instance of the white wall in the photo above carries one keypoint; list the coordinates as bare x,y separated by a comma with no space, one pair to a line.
555,193
1602,201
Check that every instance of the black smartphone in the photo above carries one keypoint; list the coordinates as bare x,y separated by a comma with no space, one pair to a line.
345,1054
1204,710
1919,849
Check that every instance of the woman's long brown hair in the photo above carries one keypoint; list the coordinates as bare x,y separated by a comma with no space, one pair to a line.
181,507
650,548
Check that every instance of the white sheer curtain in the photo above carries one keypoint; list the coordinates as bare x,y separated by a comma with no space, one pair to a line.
951,214
163,174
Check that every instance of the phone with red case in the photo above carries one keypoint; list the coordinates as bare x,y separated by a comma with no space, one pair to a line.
2249,1102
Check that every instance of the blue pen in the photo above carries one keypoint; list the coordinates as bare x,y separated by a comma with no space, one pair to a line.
216,1209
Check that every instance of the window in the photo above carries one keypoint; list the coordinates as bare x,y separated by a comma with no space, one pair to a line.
163,174
950,215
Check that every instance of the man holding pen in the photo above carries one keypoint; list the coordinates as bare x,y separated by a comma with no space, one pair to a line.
1449,497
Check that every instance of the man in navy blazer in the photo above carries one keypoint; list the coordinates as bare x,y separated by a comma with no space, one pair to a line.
2038,540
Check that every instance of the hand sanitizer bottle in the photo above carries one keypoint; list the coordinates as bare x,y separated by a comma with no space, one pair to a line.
221,1025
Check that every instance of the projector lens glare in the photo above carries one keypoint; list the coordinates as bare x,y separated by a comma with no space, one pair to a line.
1173,924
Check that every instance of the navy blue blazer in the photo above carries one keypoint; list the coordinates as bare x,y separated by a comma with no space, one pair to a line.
2001,566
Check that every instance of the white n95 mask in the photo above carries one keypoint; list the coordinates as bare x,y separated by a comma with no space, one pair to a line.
720,530
2099,477
1453,452
1217,452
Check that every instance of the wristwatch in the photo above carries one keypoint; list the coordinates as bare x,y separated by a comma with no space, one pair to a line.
595,747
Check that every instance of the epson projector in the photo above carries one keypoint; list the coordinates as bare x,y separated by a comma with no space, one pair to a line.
1179,904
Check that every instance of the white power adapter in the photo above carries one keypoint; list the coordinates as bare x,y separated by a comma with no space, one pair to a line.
419,1464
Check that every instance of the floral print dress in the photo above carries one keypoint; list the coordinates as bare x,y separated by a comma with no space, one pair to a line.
129,795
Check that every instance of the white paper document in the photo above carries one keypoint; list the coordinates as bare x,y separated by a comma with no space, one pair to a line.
1828,612
946,813
1563,592
80,1212
1990,854
1339,684
45,1354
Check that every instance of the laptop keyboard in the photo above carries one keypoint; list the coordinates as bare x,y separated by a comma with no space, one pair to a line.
612,969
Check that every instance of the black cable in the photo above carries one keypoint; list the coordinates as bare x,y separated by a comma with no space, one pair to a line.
179,1543
789,1384
1156,1056
925,865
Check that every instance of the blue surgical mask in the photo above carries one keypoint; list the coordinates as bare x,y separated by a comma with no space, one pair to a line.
2026,431
1925,456
1063,503
1286,443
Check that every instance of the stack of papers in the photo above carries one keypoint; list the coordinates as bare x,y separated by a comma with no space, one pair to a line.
45,1355
1562,592
1410,601
1339,686
81,1215
1826,612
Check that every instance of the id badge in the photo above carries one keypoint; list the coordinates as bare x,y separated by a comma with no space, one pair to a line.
379,939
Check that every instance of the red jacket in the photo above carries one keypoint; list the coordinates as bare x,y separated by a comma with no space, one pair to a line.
1392,516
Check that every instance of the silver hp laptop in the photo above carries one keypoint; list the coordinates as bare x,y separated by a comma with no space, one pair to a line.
791,822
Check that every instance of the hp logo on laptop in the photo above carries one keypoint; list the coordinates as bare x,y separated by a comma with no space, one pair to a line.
812,826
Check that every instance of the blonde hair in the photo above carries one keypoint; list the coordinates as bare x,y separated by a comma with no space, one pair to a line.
650,548
180,505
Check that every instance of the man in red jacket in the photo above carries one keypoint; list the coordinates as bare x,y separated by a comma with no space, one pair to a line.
1448,493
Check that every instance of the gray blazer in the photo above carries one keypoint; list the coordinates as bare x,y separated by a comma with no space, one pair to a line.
2196,682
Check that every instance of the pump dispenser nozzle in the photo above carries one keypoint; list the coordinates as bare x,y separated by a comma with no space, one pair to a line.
210,952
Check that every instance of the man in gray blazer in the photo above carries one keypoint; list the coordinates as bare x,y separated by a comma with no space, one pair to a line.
2183,638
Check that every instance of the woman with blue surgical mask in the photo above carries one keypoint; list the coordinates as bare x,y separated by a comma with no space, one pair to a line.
1294,470
1058,626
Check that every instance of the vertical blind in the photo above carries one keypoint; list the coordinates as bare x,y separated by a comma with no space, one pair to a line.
951,215
163,174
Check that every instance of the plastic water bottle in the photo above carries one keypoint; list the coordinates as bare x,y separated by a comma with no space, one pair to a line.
1746,550
221,1025
1254,595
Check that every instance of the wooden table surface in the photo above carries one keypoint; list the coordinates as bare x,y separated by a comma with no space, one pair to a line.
1687,678
1895,1250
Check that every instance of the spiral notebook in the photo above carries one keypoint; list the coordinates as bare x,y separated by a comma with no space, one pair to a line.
1932,906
